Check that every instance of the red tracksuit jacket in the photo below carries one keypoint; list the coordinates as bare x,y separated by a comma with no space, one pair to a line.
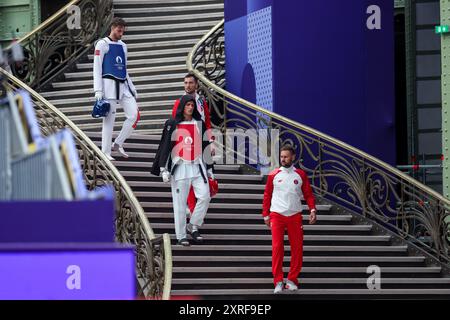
287,199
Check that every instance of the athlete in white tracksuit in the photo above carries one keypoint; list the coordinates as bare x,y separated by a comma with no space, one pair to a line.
112,82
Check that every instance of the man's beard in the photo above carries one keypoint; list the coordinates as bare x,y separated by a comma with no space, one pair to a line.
287,165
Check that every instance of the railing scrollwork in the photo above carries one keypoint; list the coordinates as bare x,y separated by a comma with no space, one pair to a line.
52,46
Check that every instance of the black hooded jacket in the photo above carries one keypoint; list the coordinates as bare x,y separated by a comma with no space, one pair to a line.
164,153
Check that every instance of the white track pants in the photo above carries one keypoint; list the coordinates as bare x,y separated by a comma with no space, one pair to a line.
129,105
180,191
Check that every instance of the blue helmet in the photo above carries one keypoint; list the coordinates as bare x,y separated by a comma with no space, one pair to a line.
101,108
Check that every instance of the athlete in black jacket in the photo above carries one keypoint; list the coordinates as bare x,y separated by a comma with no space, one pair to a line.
186,168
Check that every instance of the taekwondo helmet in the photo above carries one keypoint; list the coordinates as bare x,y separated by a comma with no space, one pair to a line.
101,108
213,187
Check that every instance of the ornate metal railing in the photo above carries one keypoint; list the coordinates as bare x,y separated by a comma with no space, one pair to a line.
153,254
62,39
339,173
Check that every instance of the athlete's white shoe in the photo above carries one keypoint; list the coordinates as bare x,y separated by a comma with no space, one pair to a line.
290,286
116,147
279,287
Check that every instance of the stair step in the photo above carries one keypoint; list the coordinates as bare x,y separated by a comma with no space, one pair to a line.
140,140
117,125
332,249
90,91
135,146
143,124
132,154
307,270
140,130
172,77
192,34
137,55
153,2
156,106
212,205
317,238
303,281
218,196
316,284
227,167
142,3
148,131
258,217
134,136
165,114
174,25
308,259
179,17
219,177
139,62
160,44
135,154
148,165
134,72
97,123
349,293
263,227
171,95
174,9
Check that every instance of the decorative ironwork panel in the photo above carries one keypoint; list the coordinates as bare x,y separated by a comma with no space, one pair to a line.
50,49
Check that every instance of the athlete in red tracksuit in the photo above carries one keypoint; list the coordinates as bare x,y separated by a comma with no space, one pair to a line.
190,87
282,209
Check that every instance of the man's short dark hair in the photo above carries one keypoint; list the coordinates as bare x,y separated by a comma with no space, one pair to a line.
116,21
288,147
191,75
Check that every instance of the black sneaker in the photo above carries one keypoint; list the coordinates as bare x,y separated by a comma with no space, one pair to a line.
184,242
197,237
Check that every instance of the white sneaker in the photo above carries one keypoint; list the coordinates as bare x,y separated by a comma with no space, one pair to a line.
278,287
116,147
290,286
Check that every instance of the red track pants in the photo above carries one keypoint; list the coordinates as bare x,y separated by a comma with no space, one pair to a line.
191,200
294,226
